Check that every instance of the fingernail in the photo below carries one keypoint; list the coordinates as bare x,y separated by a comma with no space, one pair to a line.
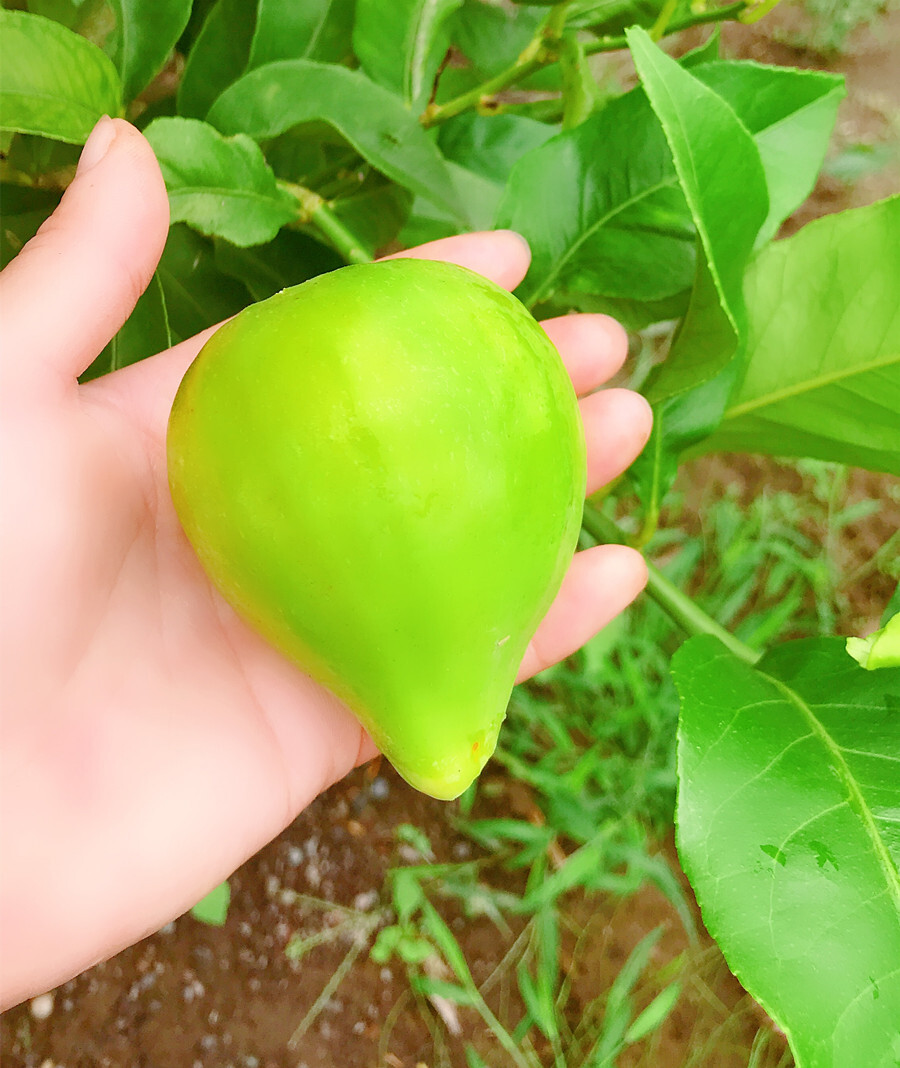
97,145
522,240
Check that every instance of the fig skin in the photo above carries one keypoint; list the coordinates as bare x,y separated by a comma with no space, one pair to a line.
383,471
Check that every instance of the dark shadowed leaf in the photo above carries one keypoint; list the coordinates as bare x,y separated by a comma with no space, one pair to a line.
197,293
144,333
314,29
218,57
289,259
24,209
144,37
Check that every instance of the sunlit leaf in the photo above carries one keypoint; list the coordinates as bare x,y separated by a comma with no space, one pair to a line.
789,790
52,81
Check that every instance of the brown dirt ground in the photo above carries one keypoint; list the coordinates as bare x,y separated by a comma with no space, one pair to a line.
204,997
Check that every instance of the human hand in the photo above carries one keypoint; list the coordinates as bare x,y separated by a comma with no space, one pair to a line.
150,741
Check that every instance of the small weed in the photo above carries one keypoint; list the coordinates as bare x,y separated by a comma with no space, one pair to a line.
858,161
543,1034
835,20
591,741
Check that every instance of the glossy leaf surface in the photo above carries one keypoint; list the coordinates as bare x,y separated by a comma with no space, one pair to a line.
823,372
790,114
607,229
278,96
314,29
218,57
144,38
709,147
222,186
789,790
52,81
402,44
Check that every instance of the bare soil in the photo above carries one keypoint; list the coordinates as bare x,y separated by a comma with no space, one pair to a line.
196,995
203,997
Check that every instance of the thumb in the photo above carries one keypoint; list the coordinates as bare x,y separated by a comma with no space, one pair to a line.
75,283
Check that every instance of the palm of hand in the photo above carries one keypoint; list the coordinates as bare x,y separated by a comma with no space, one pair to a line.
151,741
142,712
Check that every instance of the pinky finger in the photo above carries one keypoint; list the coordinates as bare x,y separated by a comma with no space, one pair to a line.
599,584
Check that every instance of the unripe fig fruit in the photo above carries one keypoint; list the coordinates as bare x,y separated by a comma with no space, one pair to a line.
383,471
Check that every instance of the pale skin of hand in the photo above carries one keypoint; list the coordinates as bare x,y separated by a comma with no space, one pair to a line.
150,741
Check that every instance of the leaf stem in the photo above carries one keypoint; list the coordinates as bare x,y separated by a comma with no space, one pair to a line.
543,50
718,14
316,211
540,51
675,602
658,30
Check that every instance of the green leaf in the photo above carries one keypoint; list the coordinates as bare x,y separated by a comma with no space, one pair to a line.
53,82
144,333
428,223
577,870
678,422
709,146
219,56
653,1017
221,186
144,37
197,293
287,260
459,995
24,210
491,145
401,45
791,114
213,909
612,17
315,29
493,37
414,950
407,892
65,12
414,836
375,214
609,228
386,944
438,931
278,96
881,649
479,152
708,52
823,376
540,993
618,1010
787,828
578,85
474,1058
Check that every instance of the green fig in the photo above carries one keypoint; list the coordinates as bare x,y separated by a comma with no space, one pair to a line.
383,470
